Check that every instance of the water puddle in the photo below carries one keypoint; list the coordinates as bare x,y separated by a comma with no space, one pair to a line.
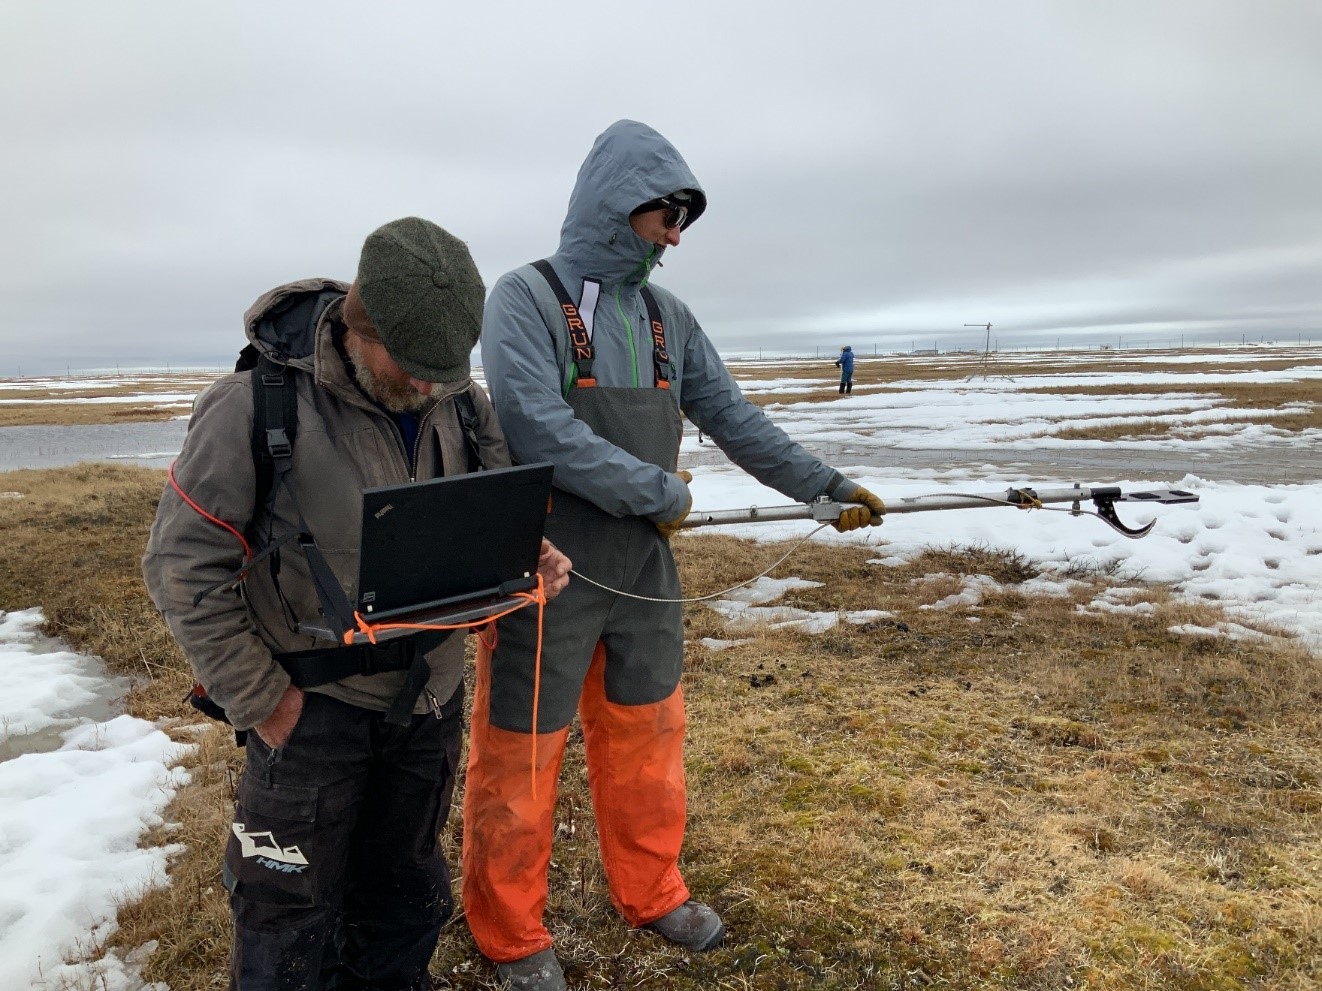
47,689
153,444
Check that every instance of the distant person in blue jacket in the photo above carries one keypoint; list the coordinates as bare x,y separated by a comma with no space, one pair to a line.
846,365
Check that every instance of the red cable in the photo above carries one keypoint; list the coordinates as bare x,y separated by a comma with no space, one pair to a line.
247,551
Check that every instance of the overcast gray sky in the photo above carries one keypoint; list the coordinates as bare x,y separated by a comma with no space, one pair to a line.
879,173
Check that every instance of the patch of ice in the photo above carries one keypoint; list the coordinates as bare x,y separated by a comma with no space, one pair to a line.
1046,585
975,587
715,645
769,589
861,616
888,562
1232,631
1115,601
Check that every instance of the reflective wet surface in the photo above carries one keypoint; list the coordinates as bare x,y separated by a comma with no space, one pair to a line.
155,444
90,692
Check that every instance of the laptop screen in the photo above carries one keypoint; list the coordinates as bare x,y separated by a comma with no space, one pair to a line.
450,540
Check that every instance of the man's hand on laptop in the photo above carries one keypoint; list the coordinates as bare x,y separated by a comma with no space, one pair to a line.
554,569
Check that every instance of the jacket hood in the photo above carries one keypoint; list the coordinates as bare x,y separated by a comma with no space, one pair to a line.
283,322
294,324
629,164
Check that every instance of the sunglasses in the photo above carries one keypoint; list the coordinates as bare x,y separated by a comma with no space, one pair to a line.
676,213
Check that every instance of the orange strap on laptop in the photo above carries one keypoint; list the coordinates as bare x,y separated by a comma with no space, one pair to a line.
370,630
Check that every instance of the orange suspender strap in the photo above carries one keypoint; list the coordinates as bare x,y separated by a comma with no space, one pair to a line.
580,337
660,358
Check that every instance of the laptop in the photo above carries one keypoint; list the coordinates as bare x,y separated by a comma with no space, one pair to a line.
451,549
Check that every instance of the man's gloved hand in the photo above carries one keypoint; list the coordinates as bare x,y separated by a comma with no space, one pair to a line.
669,527
869,513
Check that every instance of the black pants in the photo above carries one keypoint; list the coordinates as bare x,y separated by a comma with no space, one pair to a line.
335,878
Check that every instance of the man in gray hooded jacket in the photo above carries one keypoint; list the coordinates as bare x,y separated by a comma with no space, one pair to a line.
589,367
334,873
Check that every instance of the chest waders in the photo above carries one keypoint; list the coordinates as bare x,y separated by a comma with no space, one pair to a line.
616,661
643,422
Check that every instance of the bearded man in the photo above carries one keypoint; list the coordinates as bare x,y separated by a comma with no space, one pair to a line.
332,865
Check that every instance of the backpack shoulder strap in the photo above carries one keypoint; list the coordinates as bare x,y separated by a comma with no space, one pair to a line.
274,431
290,331
274,426
466,410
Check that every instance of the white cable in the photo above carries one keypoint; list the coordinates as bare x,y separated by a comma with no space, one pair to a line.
713,595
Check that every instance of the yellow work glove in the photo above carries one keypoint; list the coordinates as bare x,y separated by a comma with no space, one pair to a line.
668,528
869,513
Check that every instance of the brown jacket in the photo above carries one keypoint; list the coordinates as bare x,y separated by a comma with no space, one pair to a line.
345,443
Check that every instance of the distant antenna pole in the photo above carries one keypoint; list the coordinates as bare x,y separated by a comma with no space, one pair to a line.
986,348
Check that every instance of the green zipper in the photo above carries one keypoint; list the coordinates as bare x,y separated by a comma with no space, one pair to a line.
646,266
571,372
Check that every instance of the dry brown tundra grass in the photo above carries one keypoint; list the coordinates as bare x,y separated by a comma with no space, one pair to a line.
100,388
68,415
1043,798
52,406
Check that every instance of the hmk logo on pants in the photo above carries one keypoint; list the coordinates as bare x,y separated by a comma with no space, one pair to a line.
264,847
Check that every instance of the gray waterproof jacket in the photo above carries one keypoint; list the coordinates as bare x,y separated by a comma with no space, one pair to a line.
525,347
345,443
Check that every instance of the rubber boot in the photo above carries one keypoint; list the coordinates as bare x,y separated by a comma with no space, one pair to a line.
538,972
693,925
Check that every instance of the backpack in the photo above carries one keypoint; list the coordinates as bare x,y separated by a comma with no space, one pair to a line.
291,328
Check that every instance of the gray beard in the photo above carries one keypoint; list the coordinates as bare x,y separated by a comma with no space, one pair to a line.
394,397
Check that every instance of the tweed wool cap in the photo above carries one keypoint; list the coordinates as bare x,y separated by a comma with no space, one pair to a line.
424,295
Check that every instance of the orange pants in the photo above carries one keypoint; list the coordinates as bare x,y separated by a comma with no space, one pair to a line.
635,759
